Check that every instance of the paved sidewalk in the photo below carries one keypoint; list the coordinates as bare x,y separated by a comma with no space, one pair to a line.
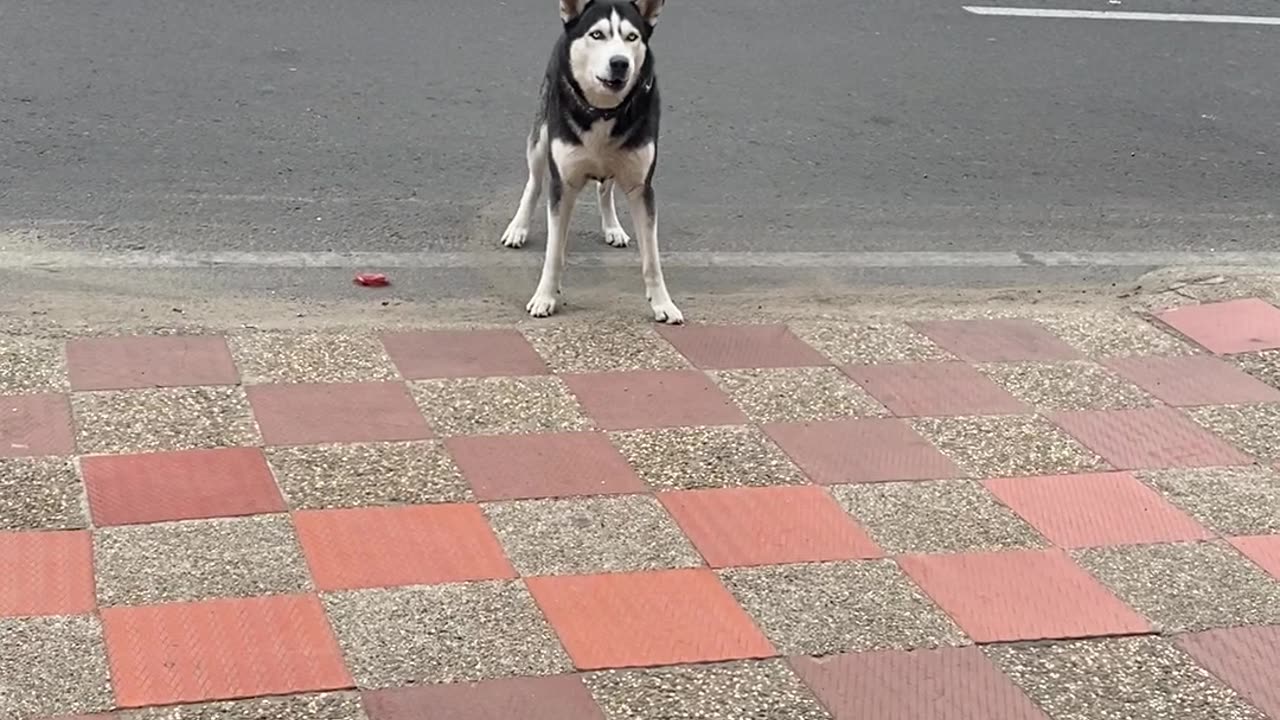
1066,518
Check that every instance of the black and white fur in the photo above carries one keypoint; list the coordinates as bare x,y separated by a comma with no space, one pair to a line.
598,121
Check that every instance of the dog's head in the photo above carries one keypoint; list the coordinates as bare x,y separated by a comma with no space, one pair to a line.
608,43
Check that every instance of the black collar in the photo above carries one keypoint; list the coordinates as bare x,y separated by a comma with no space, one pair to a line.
594,113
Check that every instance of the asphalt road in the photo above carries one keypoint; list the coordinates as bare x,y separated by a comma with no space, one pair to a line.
823,125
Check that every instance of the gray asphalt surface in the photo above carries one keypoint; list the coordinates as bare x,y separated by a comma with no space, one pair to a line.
824,125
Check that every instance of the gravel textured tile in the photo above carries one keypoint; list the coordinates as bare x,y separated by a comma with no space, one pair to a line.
692,458
499,405
1008,446
444,633
1075,385
1231,500
1263,365
329,476
310,357
323,706
1187,586
32,365
606,346
590,535
1254,429
822,608
51,666
1112,334
765,690
193,560
798,394
164,419
41,494
870,344
1134,678
935,516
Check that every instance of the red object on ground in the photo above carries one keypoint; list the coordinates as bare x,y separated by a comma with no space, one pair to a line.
372,280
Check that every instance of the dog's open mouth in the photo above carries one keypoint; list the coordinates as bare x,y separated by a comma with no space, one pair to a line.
614,85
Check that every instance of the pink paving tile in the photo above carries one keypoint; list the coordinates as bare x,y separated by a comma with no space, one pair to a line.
512,467
933,389
653,399
1245,658
35,425
768,525
1194,380
1077,511
647,618
1021,595
120,363
861,450
46,573
1234,326
722,347
393,546
314,413
183,485
221,649
1264,550
1149,438
462,353
941,684
557,697
998,340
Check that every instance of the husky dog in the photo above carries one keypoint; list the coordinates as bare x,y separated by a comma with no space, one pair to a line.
598,121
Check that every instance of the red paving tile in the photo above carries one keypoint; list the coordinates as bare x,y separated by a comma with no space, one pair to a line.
770,525
1149,438
721,347
558,697
1264,550
1234,326
861,450
1194,380
653,399
1021,595
510,467
998,340
1245,658
1077,511
462,353
307,413
392,546
923,389
46,573
184,485
942,684
648,618
221,649
35,425
121,363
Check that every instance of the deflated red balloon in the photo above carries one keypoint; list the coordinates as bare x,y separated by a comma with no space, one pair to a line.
372,280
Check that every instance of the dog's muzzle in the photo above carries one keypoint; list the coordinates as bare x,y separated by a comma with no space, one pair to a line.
619,66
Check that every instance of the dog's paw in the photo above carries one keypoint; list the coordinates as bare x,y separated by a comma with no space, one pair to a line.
515,236
668,313
541,305
616,237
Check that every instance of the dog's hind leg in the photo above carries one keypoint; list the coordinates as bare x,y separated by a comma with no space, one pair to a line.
613,233
517,231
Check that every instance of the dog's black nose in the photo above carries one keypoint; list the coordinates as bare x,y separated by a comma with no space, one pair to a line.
618,65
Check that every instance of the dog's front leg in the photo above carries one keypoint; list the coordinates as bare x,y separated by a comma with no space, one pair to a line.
645,214
561,197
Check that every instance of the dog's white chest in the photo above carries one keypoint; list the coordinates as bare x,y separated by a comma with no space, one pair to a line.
599,157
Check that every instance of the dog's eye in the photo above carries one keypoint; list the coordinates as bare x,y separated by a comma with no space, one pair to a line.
597,35
632,37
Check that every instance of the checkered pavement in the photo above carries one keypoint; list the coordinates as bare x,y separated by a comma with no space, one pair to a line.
1011,518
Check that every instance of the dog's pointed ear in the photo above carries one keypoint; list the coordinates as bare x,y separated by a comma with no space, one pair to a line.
649,9
570,9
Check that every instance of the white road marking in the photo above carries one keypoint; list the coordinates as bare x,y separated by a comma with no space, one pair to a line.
208,260
1122,15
